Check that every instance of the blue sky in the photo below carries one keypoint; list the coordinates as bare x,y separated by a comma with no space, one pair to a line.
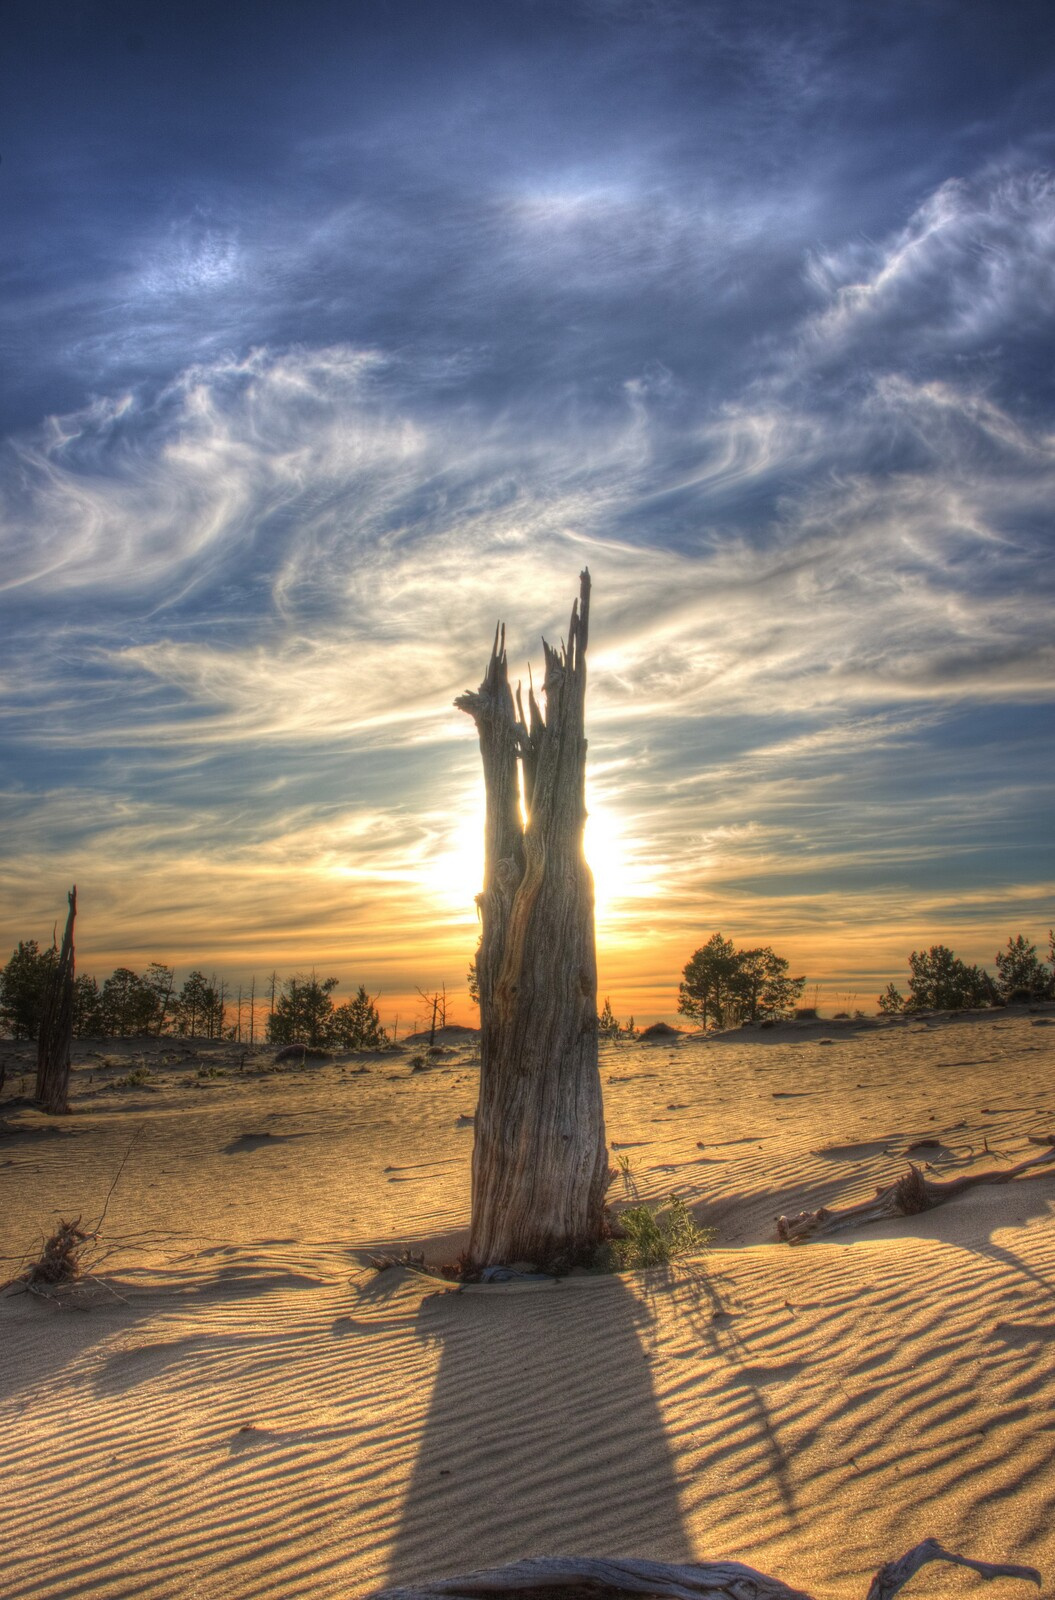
329,333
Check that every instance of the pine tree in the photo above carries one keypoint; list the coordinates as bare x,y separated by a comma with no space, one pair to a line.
128,1005
705,992
940,981
1020,973
891,1001
303,1013
356,1025
23,985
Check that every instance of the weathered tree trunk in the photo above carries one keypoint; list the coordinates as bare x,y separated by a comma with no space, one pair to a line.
540,1162
55,1038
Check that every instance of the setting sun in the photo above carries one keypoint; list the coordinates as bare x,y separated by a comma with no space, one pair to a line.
454,875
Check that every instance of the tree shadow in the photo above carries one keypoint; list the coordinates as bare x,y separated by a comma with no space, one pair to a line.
693,1294
1033,1200
543,1436
1006,1257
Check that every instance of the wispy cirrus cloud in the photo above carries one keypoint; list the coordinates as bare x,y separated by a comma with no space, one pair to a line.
974,263
239,605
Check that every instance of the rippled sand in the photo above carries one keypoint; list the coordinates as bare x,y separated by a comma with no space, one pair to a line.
244,1408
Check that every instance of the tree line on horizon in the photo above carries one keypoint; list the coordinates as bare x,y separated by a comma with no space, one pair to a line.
721,986
940,981
148,1005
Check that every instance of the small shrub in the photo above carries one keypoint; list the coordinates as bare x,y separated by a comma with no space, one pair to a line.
137,1079
652,1238
303,1053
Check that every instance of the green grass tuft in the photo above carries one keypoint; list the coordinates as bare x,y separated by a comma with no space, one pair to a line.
652,1238
140,1078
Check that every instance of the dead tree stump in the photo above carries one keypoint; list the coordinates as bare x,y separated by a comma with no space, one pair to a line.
55,1036
540,1162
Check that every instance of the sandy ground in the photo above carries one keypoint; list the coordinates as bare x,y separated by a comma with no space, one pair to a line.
244,1408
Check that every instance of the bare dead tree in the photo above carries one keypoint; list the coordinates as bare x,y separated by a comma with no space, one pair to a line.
55,1038
437,1003
540,1162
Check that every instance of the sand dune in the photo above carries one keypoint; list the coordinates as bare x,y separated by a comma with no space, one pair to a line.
248,1409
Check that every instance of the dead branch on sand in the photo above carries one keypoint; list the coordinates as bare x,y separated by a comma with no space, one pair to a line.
570,1578
905,1197
399,1258
59,1260
67,1257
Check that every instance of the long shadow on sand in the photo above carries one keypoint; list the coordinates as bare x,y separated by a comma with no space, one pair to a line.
751,1452
543,1434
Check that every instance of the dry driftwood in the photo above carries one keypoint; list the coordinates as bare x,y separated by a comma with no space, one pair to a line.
907,1196
570,1578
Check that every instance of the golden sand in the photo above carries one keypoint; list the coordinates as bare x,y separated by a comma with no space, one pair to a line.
243,1407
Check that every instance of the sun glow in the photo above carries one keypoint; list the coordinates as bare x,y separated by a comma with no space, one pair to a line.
606,856
454,873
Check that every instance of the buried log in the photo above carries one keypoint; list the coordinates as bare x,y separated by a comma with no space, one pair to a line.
572,1578
907,1196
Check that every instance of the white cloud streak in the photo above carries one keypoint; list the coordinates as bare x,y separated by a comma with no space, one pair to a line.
304,551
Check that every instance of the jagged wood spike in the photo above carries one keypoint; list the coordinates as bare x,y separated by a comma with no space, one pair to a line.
55,1035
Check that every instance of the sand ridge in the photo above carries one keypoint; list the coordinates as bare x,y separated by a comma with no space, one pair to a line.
261,1414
